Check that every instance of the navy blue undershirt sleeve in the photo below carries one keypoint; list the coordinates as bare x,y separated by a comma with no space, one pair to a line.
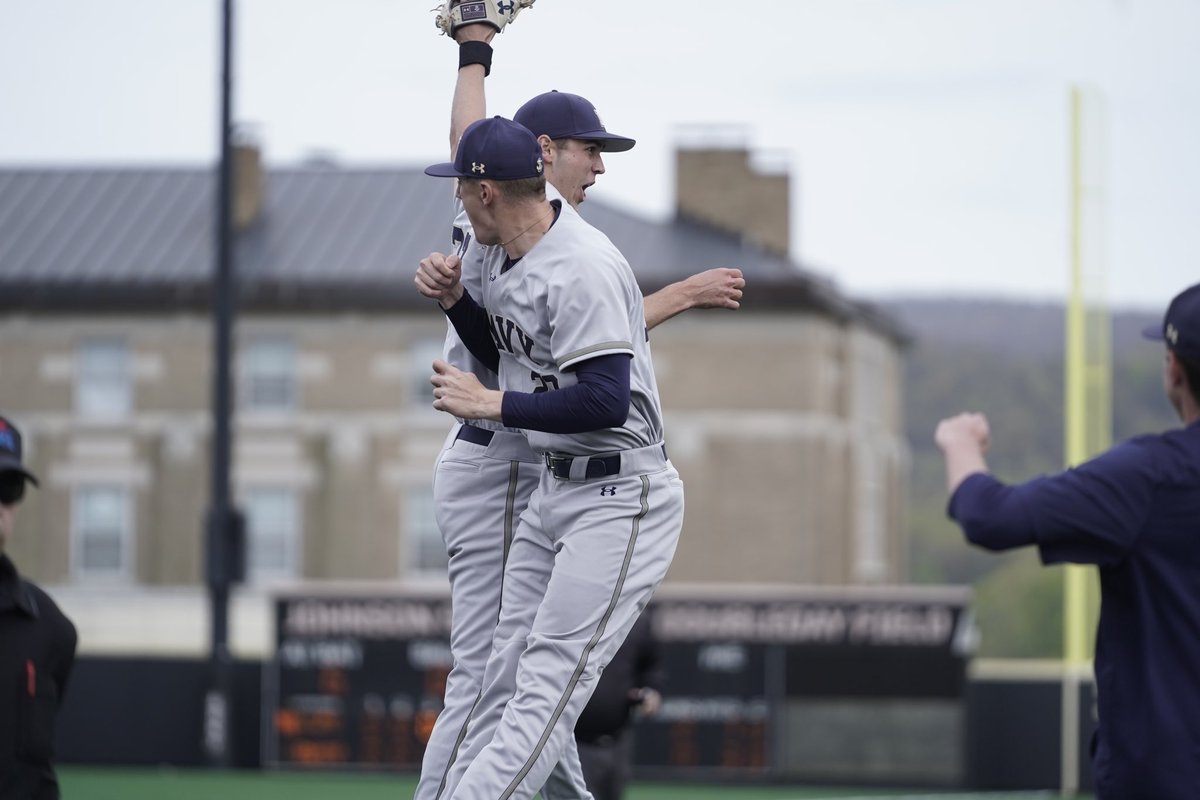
599,400
470,320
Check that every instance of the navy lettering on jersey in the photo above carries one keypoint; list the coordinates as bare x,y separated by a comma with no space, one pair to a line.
502,333
463,240
544,383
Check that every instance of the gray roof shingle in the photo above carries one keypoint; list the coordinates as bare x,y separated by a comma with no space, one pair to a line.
134,238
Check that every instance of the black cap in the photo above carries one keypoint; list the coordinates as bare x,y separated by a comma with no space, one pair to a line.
496,148
10,451
1180,328
568,116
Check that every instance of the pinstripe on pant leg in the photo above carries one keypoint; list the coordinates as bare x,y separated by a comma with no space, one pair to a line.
604,559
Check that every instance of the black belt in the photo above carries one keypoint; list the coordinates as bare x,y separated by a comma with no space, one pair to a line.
597,466
475,435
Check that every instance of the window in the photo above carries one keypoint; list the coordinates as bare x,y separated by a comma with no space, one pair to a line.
272,533
102,532
421,354
268,375
426,550
103,386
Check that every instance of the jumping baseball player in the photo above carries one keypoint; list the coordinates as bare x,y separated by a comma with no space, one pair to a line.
562,322
486,472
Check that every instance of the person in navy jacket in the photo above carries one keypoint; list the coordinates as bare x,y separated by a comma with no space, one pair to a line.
1134,511
37,649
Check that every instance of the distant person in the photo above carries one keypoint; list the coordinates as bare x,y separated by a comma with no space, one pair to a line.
629,687
37,649
1134,511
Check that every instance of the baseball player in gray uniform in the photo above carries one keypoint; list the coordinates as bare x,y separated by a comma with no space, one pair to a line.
562,321
486,471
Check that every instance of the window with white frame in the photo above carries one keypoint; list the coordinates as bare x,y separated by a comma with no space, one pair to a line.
421,354
272,533
268,375
426,550
102,532
103,379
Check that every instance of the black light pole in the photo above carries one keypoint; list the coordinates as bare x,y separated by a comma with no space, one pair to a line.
221,521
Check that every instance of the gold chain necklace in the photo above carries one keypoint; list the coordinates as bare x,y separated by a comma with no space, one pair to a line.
522,233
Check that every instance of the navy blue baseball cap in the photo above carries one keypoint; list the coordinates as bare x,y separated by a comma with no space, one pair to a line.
1180,327
10,450
568,116
496,148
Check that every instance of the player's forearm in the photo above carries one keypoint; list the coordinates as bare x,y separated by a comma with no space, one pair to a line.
720,287
962,460
470,322
600,400
470,103
474,64
667,302
570,410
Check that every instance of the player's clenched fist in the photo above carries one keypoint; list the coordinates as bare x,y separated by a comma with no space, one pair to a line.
965,430
963,440
438,277
461,394
716,288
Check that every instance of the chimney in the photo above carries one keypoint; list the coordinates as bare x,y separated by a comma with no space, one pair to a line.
717,184
249,189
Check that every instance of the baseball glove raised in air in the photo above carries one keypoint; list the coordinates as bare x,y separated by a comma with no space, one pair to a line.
453,14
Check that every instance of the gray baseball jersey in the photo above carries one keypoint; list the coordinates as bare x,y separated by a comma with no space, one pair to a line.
589,551
480,490
548,313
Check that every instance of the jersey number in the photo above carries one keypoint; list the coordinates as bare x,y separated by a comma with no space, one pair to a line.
545,382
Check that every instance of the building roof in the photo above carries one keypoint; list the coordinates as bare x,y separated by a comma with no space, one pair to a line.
119,239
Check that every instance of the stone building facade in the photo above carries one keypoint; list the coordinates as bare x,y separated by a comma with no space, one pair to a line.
784,418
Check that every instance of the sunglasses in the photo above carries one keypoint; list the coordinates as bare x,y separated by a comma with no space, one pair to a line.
12,488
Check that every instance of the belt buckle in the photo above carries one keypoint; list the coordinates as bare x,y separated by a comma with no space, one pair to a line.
559,466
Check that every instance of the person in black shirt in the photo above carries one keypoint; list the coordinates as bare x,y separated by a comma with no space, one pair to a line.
37,649
631,685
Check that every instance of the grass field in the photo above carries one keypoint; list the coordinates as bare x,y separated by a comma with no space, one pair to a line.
172,784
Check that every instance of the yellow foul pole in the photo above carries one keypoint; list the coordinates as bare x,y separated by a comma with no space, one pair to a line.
1087,397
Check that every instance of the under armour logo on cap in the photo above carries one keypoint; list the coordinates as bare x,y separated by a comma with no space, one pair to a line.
498,148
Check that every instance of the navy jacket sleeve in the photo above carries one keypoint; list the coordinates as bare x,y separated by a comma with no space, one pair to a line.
470,320
1091,514
599,400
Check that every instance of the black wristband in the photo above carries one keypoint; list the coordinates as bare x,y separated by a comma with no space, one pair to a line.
472,52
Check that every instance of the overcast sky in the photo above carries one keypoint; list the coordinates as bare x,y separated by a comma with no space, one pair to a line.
927,139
